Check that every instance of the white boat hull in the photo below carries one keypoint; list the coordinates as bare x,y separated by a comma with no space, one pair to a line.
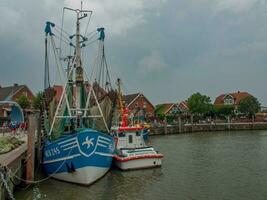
138,163
84,176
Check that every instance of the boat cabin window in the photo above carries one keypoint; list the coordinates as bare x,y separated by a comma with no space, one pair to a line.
130,137
122,134
138,133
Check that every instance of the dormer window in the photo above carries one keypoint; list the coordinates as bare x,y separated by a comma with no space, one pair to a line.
228,100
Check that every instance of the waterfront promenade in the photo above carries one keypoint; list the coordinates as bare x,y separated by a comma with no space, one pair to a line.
206,127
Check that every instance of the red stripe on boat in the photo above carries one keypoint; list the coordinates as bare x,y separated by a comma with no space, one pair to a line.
127,128
125,159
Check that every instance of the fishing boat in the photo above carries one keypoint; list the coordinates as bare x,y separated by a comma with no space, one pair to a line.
77,145
131,149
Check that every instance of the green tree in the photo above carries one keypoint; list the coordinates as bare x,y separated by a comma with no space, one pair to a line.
24,102
199,104
223,110
38,101
249,106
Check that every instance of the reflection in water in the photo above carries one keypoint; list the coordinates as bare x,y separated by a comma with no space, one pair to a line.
229,165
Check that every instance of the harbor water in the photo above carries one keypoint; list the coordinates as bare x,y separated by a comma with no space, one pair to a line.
215,165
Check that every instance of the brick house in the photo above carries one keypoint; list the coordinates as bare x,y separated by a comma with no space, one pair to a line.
231,98
12,93
166,109
139,106
100,92
183,107
58,92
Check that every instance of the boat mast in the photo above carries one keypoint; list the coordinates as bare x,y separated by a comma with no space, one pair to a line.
79,79
120,96
80,103
79,73
79,69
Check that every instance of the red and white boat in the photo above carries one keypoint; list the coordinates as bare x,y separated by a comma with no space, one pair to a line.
131,149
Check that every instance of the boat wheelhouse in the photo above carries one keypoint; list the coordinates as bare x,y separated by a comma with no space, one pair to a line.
131,149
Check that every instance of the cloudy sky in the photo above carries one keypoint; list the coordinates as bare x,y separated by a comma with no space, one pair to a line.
166,49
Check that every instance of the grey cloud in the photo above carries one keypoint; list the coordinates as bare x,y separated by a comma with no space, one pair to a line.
210,46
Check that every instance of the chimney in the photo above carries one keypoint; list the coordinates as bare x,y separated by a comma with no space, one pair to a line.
238,92
15,84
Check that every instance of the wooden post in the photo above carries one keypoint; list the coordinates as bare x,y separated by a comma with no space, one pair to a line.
165,125
228,123
192,121
253,121
32,122
39,142
180,124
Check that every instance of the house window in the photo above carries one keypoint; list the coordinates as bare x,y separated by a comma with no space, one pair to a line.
138,133
228,101
122,134
144,105
130,137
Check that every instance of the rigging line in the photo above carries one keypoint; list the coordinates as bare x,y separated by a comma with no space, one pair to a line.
86,29
62,36
93,68
61,98
62,30
103,67
47,78
60,47
91,33
98,105
103,64
66,37
69,49
92,36
124,89
90,43
99,66
100,71
104,58
59,67
62,40
41,180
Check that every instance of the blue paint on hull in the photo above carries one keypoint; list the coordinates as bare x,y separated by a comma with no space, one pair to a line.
145,134
88,148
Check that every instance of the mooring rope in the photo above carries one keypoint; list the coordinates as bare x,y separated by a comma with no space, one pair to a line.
41,180
5,183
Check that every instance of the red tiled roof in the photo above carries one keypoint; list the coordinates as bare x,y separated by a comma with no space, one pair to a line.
238,96
129,98
8,92
183,105
163,108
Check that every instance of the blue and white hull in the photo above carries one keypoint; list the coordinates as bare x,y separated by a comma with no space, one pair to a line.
80,158
145,134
